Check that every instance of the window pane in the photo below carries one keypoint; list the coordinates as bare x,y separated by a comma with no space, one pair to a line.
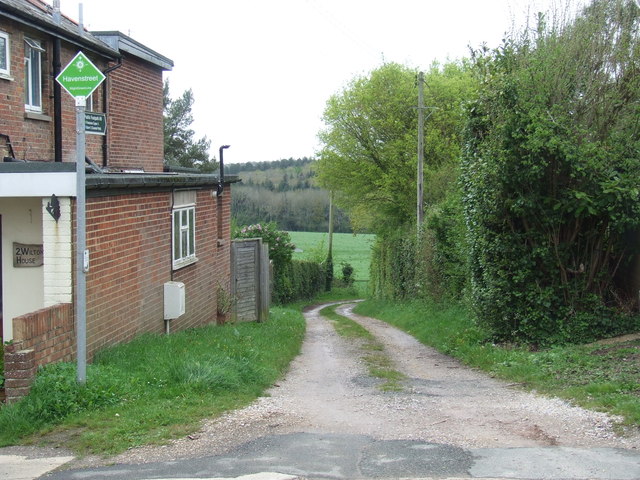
27,81
3,53
192,232
176,235
35,79
184,239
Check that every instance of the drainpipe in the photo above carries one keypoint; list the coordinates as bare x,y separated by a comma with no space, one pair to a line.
221,177
57,91
105,108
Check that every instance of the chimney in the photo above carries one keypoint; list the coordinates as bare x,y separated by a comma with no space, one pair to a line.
80,20
56,12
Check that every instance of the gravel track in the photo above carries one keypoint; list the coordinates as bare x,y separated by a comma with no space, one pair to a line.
327,390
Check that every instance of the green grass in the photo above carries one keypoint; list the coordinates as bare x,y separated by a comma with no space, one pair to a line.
600,377
156,387
379,364
348,248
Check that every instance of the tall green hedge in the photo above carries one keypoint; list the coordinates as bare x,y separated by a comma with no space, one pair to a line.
299,280
433,263
550,176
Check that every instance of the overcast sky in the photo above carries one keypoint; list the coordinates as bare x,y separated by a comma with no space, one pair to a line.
261,71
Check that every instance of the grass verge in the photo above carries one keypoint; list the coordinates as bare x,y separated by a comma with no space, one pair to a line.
604,377
378,362
156,387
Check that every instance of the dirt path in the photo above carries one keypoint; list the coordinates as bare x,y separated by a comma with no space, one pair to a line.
328,390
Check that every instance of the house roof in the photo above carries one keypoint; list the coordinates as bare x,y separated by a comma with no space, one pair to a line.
40,15
122,43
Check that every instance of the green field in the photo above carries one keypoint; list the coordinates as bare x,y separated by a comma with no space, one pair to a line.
348,248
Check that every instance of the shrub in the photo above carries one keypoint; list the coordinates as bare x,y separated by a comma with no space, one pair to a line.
347,274
550,176
280,253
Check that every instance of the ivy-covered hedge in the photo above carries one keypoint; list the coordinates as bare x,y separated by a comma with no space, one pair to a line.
550,177
432,264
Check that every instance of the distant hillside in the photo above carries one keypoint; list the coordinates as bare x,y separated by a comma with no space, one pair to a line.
282,191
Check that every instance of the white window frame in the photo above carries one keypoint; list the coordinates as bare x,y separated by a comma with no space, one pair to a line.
183,235
32,74
5,71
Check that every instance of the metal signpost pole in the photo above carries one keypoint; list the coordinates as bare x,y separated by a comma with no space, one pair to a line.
80,78
81,230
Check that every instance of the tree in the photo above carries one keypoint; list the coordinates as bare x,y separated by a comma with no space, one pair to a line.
550,175
180,146
369,145
368,153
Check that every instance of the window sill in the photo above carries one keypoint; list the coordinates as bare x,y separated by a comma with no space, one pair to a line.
184,263
37,116
5,76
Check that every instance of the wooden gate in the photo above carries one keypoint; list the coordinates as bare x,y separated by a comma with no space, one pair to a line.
250,280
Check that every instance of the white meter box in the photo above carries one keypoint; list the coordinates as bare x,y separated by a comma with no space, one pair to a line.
174,300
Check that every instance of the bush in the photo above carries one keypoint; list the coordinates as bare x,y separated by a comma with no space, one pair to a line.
347,274
431,265
550,176
280,253
301,280
308,279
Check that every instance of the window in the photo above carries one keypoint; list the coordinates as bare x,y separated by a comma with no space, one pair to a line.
5,55
184,236
183,226
32,75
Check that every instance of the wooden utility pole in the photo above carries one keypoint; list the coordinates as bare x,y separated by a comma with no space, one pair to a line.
329,263
331,223
420,198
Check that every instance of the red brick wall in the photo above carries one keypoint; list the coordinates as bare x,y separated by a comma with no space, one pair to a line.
129,238
19,369
39,338
33,138
135,116
49,332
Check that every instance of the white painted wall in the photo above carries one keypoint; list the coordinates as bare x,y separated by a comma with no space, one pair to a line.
22,288
58,267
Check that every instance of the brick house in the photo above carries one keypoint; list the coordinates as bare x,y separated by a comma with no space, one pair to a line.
146,227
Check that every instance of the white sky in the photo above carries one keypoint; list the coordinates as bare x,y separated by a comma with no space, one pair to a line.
261,71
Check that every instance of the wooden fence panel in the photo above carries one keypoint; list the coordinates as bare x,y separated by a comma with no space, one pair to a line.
249,268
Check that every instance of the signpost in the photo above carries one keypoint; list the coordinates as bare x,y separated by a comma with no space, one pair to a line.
95,123
80,78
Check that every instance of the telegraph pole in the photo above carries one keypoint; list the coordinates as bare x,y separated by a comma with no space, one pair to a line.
420,198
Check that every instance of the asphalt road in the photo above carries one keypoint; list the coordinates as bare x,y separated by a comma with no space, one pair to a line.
357,456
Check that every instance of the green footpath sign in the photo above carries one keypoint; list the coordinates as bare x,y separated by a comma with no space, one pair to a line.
95,123
80,77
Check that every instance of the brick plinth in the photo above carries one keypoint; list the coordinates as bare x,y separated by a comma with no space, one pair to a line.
19,370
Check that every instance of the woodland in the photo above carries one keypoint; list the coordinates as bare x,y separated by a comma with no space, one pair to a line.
285,192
